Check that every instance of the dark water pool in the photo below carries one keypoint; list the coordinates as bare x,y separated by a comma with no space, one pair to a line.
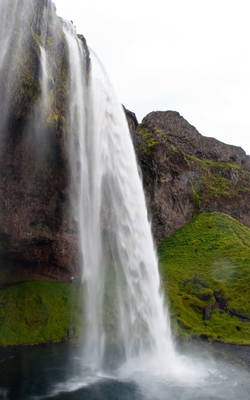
56,372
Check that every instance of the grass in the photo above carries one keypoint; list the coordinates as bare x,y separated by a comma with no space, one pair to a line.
39,312
209,257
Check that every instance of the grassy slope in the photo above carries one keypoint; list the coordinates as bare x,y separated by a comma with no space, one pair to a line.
216,248
39,312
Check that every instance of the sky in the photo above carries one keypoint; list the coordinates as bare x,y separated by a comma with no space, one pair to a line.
190,56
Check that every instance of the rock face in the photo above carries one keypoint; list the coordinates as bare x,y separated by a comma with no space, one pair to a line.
185,173
187,139
132,124
38,237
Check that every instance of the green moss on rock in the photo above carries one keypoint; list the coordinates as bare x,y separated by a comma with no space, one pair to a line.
40,312
218,179
205,271
148,140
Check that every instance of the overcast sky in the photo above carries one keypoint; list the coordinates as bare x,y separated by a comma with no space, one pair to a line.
190,56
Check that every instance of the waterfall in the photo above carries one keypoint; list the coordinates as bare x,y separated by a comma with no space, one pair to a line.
125,320
124,308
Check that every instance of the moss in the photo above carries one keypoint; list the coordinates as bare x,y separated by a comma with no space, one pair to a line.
197,202
40,312
207,258
216,178
148,140
200,292
173,149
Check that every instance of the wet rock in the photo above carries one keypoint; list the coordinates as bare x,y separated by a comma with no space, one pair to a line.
207,313
222,304
38,236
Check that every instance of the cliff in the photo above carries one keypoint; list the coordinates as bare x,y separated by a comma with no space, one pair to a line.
38,237
185,173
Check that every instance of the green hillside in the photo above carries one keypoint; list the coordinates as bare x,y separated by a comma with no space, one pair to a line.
205,268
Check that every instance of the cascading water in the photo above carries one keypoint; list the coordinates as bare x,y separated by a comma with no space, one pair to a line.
120,272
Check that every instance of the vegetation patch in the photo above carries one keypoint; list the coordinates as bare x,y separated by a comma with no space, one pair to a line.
205,271
218,179
40,312
147,141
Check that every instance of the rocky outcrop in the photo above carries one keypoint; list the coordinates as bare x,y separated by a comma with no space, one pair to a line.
185,173
186,138
132,124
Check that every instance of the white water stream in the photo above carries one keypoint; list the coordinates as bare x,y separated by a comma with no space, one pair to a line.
44,102
119,261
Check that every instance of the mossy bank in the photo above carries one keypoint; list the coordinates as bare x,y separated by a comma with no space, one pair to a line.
40,312
205,269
